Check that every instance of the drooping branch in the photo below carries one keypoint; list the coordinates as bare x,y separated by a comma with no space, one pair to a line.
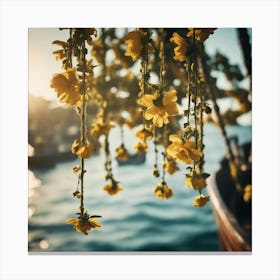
246,48
211,93
245,45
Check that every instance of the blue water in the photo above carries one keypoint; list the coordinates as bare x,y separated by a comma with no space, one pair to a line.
133,220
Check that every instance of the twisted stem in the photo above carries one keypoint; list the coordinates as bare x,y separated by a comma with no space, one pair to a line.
83,121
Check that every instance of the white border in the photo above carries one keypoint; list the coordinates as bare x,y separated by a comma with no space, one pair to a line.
18,16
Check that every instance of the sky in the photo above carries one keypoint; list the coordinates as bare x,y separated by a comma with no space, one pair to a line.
42,63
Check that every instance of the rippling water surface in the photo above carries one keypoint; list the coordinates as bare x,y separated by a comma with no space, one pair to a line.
133,220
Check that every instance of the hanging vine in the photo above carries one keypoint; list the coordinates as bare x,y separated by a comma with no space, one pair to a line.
72,88
154,107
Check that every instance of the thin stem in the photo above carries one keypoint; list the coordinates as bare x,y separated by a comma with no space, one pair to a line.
188,90
194,70
145,60
165,144
195,110
163,169
162,62
83,123
155,149
108,165
83,111
69,51
82,185
201,124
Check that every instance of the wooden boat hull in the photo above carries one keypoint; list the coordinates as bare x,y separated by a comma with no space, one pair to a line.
232,214
232,236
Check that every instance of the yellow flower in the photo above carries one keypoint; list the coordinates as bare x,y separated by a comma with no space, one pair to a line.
201,34
200,200
101,128
150,127
76,169
247,195
183,150
82,150
196,181
170,166
113,188
84,223
140,147
181,50
134,42
162,191
77,194
121,152
67,87
156,172
159,108
233,169
144,134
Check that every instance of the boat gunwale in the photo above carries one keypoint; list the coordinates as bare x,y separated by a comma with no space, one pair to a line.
223,213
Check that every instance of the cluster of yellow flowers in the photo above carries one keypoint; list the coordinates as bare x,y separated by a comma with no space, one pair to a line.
67,87
158,105
121,152
73,87
181,50
144,135
200,200
158,108
140,147
134,42
113,188
82,150
84,223
162,191
196,181
183,150
184,47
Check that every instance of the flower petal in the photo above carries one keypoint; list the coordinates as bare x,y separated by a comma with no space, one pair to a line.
169,96
147,100
158,121
171,109
175,138
94,223
72,221
200,200
150,113
195,154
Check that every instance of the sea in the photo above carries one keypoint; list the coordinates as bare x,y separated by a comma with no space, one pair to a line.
133,220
